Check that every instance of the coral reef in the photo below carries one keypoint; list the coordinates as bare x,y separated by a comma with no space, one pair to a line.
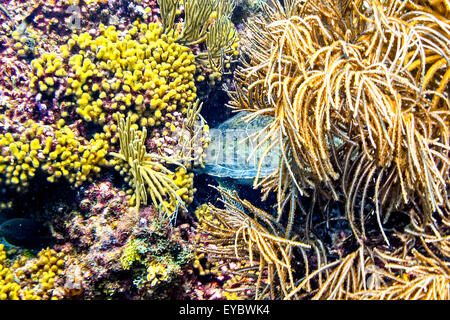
104,141
142,72
113,252
237,233
32,279
207,23
59,153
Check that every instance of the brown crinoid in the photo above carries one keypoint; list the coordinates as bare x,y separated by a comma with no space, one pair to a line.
381,274
415,277
358,92
252,240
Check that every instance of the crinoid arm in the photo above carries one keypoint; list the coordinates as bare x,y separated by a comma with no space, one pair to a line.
148,175
358,94
243,233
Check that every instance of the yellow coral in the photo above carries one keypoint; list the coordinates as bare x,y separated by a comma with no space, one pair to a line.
9,289
59,153
31,279
75,159
46,72
156,273
131,253
19,156
185,183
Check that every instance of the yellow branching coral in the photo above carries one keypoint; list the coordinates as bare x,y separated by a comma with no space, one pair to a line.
19,158
185,183
58,152
32,279
9,289
156,273
141,71
241,232
48,70
73,158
